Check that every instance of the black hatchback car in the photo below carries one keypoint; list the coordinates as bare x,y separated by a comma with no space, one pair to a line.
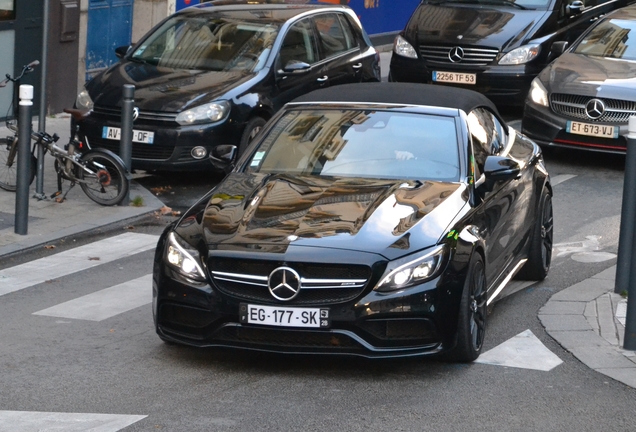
211,75
495,47
374,219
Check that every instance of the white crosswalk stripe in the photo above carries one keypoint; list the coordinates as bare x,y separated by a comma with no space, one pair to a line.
29,421
106,303
74,260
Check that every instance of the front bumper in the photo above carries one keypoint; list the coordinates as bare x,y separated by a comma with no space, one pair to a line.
504,85
172,145
546,128
419,321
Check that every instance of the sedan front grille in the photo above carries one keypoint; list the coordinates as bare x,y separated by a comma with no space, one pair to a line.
319,284
573,106
152,116
475,56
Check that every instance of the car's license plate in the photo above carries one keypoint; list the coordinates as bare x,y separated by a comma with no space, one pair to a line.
114,133
284,316
455,77
594,130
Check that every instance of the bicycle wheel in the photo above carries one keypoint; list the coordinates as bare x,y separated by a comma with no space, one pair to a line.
103,178
9,165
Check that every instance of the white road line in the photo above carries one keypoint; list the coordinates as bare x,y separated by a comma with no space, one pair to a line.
106,303
523,351
29,421
560,179
74,260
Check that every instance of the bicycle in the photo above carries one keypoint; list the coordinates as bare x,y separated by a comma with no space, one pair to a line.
100,173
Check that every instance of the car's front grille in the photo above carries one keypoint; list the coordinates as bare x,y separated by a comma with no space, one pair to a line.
476,56
139,150
115,114
573,106
320,283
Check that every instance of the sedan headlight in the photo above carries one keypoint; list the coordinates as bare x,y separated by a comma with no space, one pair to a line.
403,48
84,101
208,113
410,271
521,55
183,257
538,94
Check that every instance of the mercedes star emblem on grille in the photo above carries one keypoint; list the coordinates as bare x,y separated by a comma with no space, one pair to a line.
135,113
595,109
284,283
456,54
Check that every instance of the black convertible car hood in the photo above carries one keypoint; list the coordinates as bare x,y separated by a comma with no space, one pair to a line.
591,76
472,24
268,213
161,88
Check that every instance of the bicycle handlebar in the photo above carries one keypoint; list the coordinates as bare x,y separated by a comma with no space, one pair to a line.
25,69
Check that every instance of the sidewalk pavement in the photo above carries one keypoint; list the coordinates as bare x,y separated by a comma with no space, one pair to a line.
49,220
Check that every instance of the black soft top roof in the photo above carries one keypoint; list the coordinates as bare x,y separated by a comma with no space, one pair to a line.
403,93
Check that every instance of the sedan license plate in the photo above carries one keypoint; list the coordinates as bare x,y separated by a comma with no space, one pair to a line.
594,130
284,316
455,77
143,137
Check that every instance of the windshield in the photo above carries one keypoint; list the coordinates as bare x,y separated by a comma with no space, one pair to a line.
208,43
610,38
360,143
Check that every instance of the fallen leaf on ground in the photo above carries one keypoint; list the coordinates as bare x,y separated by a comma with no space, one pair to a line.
49,246
93,258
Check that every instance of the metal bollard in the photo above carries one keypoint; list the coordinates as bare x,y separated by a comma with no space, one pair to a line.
24,160
125,143
629,182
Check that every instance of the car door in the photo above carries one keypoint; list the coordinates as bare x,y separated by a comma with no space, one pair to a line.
504,206
339,49
298,68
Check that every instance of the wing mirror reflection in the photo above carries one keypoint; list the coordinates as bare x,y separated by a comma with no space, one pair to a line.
501,168
557,49
575,7
295,67
222,157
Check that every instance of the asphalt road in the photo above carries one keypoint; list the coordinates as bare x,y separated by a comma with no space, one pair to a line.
117,366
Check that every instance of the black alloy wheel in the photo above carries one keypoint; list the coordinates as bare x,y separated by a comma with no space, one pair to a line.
540,252
471,327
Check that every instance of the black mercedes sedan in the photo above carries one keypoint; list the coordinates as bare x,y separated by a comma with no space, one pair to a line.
584,99
374,219
214,74
495,47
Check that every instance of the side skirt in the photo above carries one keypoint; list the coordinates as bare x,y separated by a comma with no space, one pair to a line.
507,279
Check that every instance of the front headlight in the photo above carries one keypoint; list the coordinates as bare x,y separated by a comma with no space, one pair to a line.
182,257
403,48
409,271
538,94
208,113
83,101
521,55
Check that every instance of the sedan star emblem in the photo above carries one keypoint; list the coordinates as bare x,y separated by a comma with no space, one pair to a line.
456,54
284,283
595,108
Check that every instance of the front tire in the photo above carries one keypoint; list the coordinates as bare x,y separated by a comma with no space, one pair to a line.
471,323
252,129
9,165
104,179
540,252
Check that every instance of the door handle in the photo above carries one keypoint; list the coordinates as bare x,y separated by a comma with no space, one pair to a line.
357,66
323,79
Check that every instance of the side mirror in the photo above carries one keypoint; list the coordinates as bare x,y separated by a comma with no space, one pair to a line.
501,168
121,51
574,8
222,157
295,67
557,49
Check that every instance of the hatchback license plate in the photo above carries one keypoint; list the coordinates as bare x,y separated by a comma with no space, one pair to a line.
455,77
594,130
284,316
143,137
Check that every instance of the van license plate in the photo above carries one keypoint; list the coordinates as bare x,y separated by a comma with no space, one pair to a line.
455,77
143,137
